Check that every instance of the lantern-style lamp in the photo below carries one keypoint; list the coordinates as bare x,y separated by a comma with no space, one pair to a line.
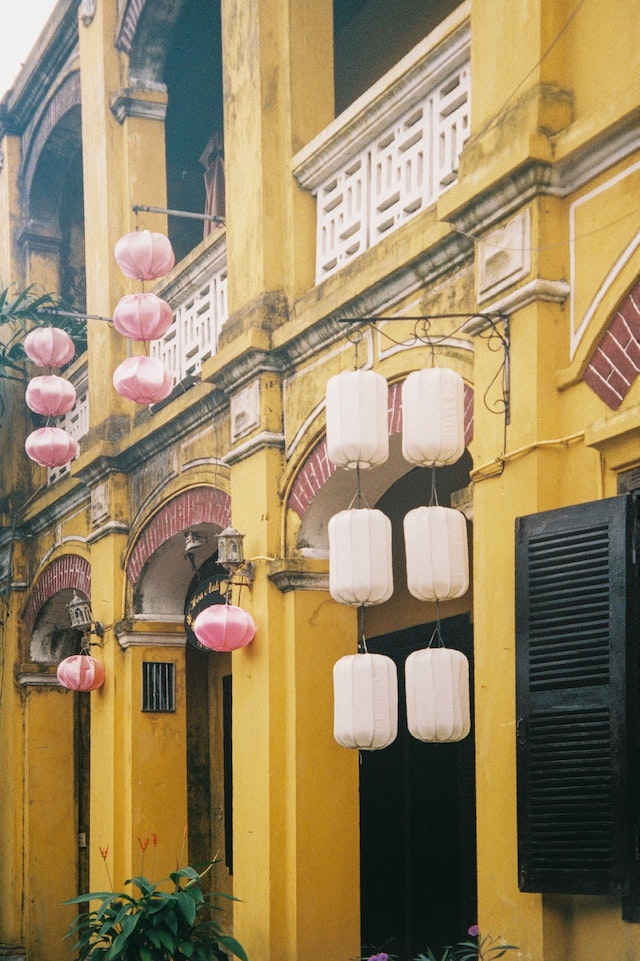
437,690
437,553
80,613
224,627
51,446
357,419
433,417
142,317
50,395
365,688
49,347
230,548
144,255
81,672
144,380
360,562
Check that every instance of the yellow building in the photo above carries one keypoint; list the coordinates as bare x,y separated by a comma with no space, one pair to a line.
393,185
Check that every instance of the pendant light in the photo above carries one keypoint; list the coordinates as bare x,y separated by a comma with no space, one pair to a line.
436,553
437,693
360,562
81,672
433,417
50,395
365,701
357,419
224,627
142,316
51,446
144,380
143,255
49,347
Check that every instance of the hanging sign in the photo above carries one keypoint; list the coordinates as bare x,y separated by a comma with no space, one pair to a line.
206,592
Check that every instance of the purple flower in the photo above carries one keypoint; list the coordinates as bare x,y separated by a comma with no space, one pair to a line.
474,931
383,956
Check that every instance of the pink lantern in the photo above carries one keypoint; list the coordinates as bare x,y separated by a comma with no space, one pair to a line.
49,347
224,627
143,255
51,446
142,317
81,672
365,700
50,395
143,379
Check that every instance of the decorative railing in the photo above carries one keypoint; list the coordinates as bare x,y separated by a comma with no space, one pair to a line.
197,293
393,152
76,422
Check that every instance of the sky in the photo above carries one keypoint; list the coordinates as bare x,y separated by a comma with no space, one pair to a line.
20,24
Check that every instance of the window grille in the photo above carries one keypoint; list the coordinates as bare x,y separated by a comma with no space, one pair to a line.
158,686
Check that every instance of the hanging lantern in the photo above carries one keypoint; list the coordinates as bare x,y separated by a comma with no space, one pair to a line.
81,672
144,380
433,417
143,255
142,317
50,395
437,686
49,347
224,627
51,446
365,690
360,563
437,553
357,419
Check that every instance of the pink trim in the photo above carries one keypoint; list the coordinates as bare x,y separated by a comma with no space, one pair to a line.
69,571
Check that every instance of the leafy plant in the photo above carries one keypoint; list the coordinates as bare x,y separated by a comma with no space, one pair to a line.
487,948
154,924
29,308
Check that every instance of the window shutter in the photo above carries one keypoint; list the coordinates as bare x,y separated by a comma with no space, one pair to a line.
576,693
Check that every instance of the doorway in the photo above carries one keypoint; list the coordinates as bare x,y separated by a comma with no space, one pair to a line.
417,823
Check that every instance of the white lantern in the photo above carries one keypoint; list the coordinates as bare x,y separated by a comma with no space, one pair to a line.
360,563
357,419
365,688
437,691
433,417
437,553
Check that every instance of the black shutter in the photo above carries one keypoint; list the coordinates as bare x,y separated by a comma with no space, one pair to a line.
576,686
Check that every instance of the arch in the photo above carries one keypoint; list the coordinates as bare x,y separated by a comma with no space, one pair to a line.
145,33
70,571
198,505
317,468
66,97
616,360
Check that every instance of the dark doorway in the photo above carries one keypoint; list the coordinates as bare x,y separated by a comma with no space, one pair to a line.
417,824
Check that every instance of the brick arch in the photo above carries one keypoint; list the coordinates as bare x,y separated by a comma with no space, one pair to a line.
616,360
317,468
68,571
199,505
66,97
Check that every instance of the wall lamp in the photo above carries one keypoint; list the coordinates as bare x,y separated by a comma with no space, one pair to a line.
231,556
81,618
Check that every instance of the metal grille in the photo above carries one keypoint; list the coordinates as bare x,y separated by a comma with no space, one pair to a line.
158,686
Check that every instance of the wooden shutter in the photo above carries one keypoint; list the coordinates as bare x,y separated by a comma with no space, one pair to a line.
576,641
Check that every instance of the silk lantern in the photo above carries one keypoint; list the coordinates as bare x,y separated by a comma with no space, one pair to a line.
142,317
51,446
143,255
365,690
357,419
81,672
144,380
49,347
50,395
437,693
224,627
433,417
437,553
360,562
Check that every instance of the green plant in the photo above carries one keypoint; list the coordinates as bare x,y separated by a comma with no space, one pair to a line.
154,924
487,948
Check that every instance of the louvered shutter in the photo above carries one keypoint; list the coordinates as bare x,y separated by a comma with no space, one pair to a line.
576,641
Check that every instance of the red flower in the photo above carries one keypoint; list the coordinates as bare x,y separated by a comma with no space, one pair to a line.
143,844
104,852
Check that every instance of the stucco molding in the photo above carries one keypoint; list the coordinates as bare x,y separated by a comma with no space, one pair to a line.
538,289
140,638
265,438
31,679
298,574
133,103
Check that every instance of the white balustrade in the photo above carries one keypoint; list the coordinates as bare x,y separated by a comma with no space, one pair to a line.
392,153
76,422
198,297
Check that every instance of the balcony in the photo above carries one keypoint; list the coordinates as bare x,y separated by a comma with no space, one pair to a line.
392,152
197,292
